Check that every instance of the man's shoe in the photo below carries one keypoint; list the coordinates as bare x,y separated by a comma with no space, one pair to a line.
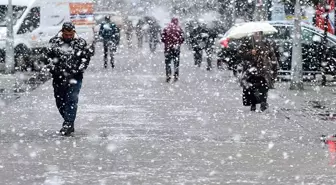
253,107
67,129
176,79
263,106
168,79
112,64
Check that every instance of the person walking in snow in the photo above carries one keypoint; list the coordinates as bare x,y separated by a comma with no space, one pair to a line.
197,43
68,57
111,38
257,55
129,32
172,37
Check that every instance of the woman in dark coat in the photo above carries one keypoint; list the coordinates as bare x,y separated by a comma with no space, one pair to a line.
257,54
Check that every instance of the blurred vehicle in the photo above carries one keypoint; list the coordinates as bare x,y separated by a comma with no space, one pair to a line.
227,50
36,21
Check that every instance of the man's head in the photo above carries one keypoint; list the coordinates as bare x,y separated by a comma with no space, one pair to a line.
258,36
175,21
107,18
68,31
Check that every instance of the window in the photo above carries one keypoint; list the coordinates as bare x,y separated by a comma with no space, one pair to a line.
330,43
17,13
307,35
282,34
31,22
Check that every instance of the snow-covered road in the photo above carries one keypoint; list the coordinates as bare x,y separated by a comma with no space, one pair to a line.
134,128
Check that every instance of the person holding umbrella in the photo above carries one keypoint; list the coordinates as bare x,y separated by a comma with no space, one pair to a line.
258,55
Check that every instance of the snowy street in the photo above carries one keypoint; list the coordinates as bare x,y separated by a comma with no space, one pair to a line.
134,128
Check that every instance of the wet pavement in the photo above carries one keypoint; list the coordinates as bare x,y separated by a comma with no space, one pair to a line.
14,85
134,128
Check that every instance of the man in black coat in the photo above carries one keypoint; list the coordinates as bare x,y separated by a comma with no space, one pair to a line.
68,57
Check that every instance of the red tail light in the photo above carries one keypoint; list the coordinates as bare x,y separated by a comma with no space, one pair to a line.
225,43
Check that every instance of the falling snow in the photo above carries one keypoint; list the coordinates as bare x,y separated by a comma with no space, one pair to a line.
136,126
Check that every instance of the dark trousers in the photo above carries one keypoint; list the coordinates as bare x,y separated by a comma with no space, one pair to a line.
140,40
109,47
66,96
152,43
208,53
172,55
198,56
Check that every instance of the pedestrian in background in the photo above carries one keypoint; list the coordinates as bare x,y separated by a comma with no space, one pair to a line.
154,34
139,30
203,39
129,32
172,37
257,54
111,38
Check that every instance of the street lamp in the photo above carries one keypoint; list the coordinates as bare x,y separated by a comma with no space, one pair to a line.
10,40
296,70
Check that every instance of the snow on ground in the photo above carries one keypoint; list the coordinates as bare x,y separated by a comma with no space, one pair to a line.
134,128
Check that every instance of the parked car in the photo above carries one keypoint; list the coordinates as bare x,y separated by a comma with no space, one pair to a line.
311,49
36,21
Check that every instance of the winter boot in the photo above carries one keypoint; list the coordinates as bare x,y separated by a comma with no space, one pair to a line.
168,79
263,106
253,107
67,129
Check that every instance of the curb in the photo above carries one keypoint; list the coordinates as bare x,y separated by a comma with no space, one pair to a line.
21,81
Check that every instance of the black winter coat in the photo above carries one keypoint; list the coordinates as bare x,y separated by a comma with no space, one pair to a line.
68,60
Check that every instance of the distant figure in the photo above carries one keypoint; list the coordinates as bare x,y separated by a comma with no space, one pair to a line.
129,32
203,38
111,38
172,37
140,32
154,34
